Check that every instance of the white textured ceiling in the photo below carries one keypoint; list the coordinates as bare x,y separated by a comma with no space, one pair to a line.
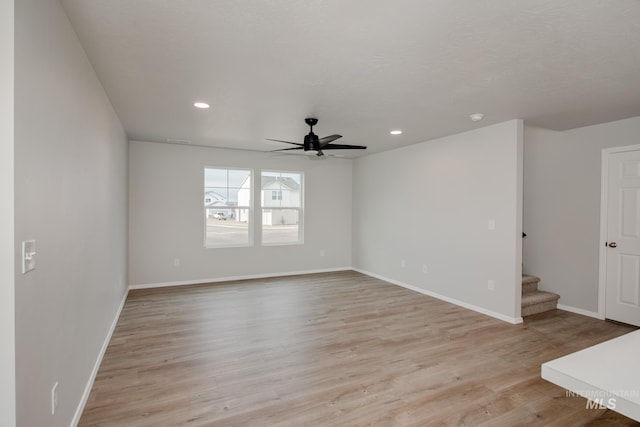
363,67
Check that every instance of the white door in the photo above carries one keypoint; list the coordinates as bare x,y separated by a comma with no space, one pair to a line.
623,238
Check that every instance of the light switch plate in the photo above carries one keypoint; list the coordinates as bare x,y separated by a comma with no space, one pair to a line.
28,256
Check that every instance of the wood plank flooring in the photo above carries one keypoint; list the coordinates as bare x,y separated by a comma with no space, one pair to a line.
338,349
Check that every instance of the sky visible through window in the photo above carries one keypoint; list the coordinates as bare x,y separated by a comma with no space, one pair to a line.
295,176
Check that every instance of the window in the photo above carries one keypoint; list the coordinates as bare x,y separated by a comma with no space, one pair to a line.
227,207
282,203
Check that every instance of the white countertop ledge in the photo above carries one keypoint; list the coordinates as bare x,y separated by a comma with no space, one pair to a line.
607,374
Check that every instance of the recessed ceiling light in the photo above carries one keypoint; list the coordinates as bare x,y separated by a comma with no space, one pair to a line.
201,105
396,132
476,117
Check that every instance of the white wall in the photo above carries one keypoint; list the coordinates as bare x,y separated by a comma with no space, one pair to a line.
430,204
167,218
71,197
562,207
7,279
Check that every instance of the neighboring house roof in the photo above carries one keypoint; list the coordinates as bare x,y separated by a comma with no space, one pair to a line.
216,199
288,182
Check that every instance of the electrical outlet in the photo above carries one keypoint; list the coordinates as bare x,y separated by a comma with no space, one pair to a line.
28,255
321,252
492,224
491,285
403,263
176,262
54,398
424,268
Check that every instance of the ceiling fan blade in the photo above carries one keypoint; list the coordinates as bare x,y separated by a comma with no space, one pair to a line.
344,147
327,139
287,149
286,142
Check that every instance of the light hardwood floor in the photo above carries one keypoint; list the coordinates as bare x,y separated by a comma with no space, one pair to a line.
338,349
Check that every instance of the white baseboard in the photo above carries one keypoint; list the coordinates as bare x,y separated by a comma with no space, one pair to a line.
96,366
234,278
499,316
580,311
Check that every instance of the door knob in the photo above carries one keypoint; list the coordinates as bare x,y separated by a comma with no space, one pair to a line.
613,245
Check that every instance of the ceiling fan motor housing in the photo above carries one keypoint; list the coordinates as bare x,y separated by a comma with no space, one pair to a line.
311,142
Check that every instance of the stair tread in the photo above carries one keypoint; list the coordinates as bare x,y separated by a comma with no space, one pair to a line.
538,297
527,278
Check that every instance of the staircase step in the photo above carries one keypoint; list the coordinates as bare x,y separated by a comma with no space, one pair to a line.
538,302
529,283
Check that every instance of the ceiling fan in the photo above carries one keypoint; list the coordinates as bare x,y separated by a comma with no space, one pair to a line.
314,145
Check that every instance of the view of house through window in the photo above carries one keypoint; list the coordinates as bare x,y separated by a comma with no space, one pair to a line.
227,207
281,201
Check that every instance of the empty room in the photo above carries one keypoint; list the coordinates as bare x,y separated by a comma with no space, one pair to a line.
320,213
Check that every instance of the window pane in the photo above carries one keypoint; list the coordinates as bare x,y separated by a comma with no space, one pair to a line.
227,227
237,177
281,189
227,205
280,226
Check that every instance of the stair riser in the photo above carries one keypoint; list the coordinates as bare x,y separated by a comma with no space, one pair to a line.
539,308
535,301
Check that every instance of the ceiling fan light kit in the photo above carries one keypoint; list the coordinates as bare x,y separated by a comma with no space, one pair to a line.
313,145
